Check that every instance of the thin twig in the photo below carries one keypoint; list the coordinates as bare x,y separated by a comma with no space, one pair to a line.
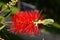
18,4
5,23
9,22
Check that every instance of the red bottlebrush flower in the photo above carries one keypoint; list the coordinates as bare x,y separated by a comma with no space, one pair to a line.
23,22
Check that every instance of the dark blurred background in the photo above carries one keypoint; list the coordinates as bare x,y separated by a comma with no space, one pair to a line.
50,9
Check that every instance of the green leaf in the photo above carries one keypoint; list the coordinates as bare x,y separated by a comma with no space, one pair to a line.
2,27
1,7
14,9
2,19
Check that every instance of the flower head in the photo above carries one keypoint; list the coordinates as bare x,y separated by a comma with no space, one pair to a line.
25,22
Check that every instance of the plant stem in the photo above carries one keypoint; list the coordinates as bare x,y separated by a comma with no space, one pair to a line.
56,25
